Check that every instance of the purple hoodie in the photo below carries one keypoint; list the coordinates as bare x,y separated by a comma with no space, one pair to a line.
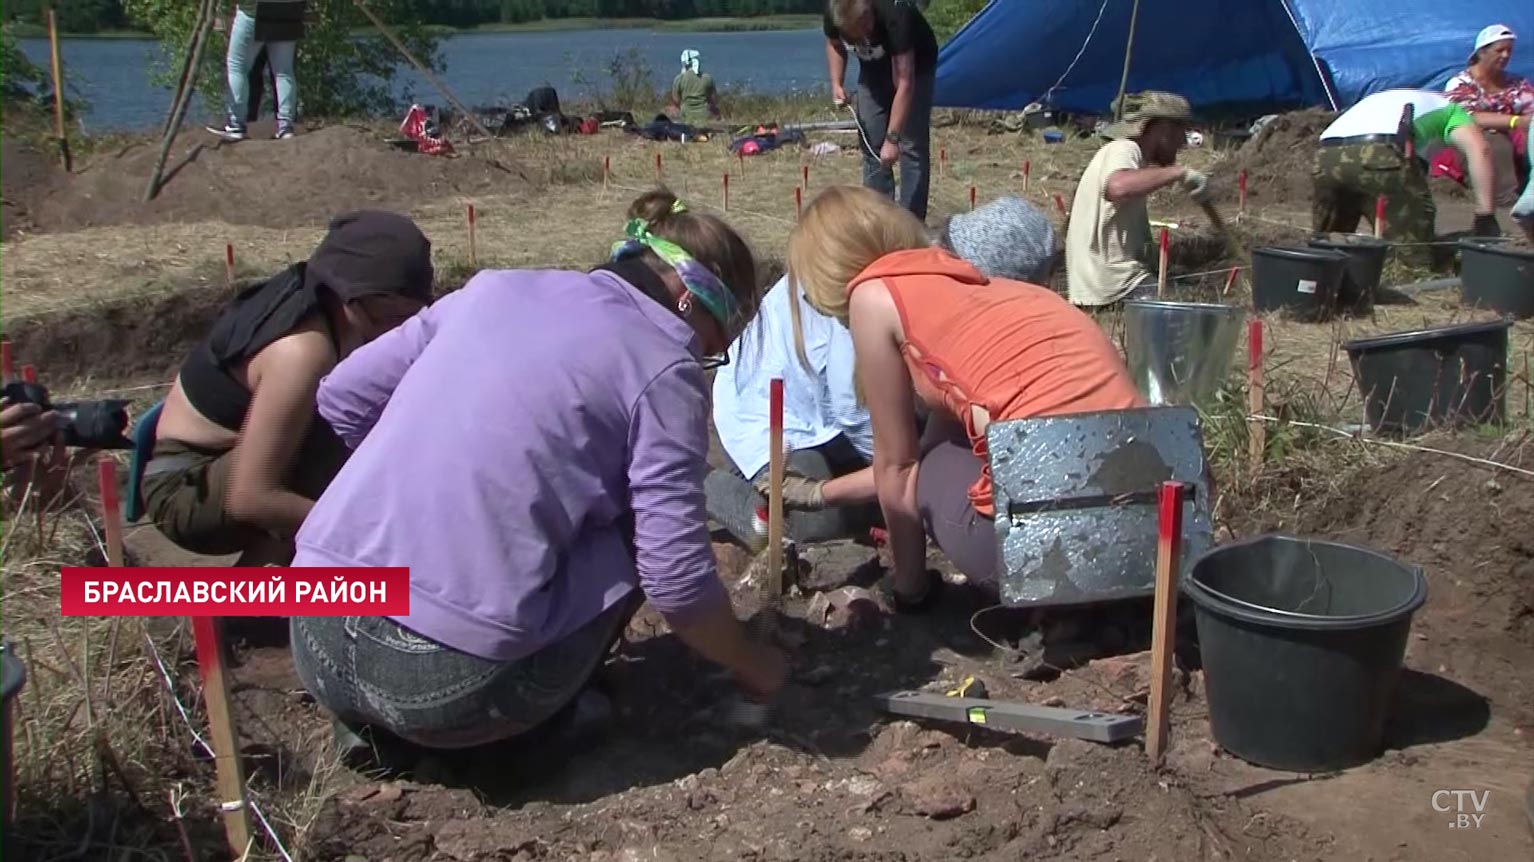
502,436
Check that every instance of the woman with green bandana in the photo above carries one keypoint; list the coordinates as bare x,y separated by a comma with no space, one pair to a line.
533,448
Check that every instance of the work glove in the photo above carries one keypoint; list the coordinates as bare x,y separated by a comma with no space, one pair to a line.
1197,184
799,492
1486,225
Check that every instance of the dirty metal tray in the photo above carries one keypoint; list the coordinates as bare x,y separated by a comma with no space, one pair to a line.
1015,717
1076,515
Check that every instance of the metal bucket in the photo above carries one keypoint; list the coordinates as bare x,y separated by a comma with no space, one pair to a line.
1180,352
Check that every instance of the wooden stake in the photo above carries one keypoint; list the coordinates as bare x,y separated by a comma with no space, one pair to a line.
775,492
607,172
7,363
804,171
658,173
1164,623
798,202
225,739
1241,187
1027,169
726,191
1060,205
58,92
1379,216
942,163
742,157
1162,274
1258,432
228,264
1230,280
473,244
206,12
972,198
111,509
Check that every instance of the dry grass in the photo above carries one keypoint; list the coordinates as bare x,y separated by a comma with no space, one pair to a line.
107,762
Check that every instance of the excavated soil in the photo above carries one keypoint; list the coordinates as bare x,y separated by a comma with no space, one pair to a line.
27,176
303,180
835,779
1277,161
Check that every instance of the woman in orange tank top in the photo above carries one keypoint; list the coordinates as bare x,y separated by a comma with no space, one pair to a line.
927,325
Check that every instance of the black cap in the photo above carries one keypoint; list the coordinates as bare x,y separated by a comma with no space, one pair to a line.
373,253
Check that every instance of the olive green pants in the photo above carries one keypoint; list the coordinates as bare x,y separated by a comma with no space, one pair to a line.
1349,178
185,489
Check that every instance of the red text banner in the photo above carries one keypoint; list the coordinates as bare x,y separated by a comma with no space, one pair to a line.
204,591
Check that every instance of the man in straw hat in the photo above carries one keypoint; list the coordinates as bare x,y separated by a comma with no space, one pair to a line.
1107,244
1379,147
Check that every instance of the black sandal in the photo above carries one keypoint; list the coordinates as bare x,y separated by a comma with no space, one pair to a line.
929,598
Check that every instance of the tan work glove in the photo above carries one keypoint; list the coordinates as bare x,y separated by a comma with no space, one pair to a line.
799,492
1196,184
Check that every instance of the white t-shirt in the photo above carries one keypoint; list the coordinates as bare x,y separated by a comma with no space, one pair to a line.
1434,116
817,406
1105,240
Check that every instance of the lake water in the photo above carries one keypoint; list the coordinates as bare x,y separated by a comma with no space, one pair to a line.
481,68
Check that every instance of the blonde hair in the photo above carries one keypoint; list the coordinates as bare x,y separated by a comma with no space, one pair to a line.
841,233
844,12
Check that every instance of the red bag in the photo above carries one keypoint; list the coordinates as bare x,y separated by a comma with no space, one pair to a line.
414,128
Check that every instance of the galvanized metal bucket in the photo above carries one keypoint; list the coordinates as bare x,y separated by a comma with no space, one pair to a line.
1180,352
1076,517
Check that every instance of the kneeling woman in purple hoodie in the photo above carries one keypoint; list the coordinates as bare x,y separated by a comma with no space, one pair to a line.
533,448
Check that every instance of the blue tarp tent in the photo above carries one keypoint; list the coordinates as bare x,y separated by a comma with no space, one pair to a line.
1266,54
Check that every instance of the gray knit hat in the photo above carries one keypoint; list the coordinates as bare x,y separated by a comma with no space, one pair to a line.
1006,238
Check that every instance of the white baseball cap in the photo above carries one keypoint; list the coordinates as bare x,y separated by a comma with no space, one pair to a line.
1488,35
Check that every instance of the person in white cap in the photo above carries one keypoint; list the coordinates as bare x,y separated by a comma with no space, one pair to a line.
693,95
1502,105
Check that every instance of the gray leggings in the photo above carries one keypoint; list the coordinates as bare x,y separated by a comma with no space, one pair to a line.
965,536
732,500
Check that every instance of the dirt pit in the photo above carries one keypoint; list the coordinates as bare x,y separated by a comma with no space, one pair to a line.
836,779
303,180
1277,161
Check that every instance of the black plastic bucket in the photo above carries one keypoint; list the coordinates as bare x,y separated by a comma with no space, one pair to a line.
1302,644
12,675
1451,376
1498,276
1301,282
1361,276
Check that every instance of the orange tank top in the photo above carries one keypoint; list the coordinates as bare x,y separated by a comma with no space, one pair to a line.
1014,350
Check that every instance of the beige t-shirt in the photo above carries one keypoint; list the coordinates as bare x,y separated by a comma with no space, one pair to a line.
1105,239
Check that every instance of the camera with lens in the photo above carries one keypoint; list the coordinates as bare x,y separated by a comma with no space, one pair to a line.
84,424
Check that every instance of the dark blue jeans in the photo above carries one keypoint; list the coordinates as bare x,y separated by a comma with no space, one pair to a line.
373,671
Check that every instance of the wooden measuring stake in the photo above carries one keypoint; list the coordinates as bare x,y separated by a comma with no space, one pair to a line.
1060,205
798,202
1164,623
1241,187
228,264
7,363
1254,394
1027,169
473,245
225,739
972,198
658,173
775,492
726,191
111,509
1230,280
942,163
1379,216
804,170
1161,275
58,92
607,172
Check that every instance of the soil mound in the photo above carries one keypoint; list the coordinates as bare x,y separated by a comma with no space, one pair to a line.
302,180
1277,159
28,177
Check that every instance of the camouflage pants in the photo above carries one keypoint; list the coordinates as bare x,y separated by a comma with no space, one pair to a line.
1349,178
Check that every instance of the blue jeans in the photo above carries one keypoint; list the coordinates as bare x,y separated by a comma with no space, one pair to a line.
374,671
279,56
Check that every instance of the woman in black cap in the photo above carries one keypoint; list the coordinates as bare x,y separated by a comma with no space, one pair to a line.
240,454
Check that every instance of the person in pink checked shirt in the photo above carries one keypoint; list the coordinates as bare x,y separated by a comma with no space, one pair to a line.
533,448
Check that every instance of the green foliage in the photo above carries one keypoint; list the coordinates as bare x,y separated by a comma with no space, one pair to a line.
342,69
630,84
20,78
947,16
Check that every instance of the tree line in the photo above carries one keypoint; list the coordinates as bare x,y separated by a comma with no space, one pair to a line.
93,16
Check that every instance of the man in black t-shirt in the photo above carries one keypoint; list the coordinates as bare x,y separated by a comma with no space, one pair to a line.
897,62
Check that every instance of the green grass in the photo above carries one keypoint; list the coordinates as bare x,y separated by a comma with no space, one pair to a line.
546,25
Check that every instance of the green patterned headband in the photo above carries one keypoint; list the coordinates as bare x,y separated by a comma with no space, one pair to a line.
699,280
